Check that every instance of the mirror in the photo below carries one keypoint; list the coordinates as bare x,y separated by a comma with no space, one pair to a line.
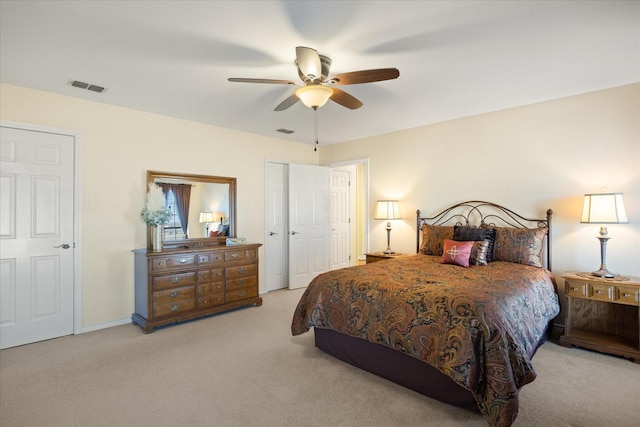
210,212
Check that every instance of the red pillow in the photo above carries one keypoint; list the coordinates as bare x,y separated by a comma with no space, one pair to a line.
457,253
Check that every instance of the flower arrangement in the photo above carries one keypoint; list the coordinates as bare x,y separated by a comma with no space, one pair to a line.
155,211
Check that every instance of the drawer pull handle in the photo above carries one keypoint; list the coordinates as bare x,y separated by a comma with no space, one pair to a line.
241,270
241,282
174,294
176,279
626,295
599,292
175,307
241,294
575,289
204,276
184,260
161,263
234,255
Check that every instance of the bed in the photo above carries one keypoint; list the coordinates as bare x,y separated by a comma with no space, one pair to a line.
459,321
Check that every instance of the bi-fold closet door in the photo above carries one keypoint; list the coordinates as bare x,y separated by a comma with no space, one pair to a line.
297,244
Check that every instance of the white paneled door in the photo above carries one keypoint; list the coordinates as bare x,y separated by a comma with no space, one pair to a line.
36,236
308,223
340,219
276,241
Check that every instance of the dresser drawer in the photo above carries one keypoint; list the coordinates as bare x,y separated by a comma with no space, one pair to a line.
176,294
242,283
240,294
211,300
210,258
174,308
575,289
211,275
601,292
160,264
241,271
173,281
627,295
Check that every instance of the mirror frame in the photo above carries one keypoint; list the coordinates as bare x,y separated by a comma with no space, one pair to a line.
201,241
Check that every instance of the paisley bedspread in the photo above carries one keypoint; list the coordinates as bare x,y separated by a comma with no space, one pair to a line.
480,325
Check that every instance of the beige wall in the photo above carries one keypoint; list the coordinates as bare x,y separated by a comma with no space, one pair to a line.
532,158
118,146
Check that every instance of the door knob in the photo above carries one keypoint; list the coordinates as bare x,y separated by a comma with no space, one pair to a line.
271,233
63,246
294,232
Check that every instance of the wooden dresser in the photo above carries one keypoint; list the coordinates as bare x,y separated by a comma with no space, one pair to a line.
183,284
603,314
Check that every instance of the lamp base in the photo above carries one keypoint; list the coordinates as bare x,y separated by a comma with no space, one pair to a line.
388,252
603,272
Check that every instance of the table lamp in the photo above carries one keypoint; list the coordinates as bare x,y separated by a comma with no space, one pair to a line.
388,209
603,208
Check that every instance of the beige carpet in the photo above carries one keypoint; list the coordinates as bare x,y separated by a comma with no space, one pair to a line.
245,369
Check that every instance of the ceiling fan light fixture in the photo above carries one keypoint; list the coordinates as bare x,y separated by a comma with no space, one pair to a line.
314,96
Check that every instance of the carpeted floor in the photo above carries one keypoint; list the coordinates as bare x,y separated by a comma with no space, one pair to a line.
244,368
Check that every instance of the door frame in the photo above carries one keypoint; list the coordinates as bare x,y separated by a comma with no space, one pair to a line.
77,270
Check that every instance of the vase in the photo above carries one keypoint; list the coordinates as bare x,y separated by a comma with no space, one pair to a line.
156,238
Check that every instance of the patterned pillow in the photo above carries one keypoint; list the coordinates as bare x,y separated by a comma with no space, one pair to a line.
464,234
433,238
520,245
457,253
479,253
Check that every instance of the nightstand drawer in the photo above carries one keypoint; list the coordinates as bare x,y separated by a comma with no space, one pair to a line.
601,292
627,295
575,289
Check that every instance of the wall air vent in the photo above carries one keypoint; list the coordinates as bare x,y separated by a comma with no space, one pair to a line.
87,86
287,131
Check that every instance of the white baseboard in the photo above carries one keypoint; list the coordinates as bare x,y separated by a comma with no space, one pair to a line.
111,324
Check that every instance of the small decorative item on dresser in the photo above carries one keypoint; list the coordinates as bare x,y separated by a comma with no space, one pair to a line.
603,314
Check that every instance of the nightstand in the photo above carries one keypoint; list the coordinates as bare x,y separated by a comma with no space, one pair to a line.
603,314
380,256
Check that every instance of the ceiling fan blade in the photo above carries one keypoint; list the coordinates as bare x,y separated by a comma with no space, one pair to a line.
308,62
270,81
287,102
365,76
343,98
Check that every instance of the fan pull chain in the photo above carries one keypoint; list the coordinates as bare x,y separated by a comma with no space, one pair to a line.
316,122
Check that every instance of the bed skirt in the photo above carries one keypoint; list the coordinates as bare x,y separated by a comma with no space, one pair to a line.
395,366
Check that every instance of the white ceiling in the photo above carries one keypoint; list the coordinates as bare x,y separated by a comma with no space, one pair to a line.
456,58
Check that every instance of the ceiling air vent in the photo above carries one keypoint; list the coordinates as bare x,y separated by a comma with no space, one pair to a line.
287,131
87,86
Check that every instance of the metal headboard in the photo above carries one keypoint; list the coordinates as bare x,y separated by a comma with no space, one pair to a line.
477,213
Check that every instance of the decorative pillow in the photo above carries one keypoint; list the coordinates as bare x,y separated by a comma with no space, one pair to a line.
433,238
457,253
520,245
479,253
465,234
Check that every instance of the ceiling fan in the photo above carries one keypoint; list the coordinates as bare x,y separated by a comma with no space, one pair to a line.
313,70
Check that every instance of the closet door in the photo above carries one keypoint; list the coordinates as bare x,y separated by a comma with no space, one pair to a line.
277,227
309,227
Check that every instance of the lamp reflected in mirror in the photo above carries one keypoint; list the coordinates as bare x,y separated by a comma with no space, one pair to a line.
206,218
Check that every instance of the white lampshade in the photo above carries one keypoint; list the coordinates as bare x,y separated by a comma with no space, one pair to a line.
387,209
206,217
604,208
314,96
